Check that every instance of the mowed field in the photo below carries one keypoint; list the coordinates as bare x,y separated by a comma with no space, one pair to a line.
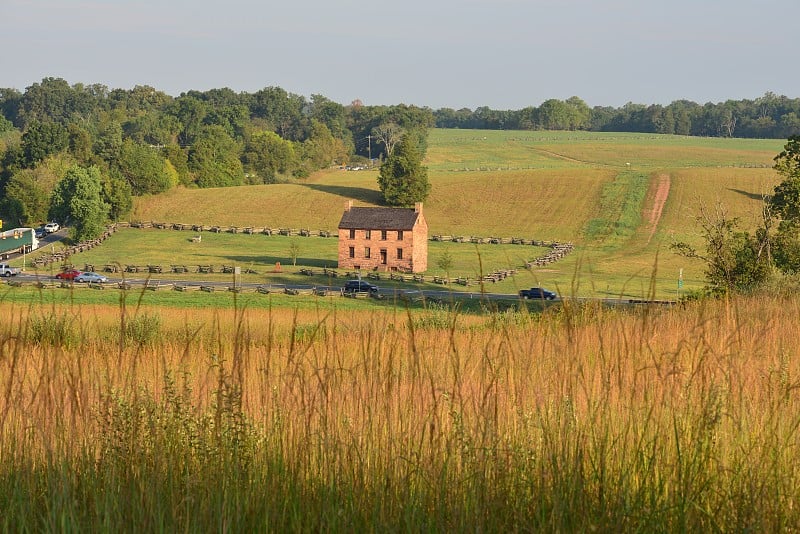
597,190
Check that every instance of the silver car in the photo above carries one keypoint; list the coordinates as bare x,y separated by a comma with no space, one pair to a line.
90,277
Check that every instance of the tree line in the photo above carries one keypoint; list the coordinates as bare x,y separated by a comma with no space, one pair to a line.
767,117
115,144
59,140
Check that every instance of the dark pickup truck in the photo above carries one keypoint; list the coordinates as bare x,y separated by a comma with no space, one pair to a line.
537,293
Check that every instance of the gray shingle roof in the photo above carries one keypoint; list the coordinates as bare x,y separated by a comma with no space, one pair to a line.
379,219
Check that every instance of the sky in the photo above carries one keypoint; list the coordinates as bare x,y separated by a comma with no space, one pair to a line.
503,54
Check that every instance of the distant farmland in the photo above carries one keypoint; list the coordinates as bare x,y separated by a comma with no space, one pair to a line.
594,189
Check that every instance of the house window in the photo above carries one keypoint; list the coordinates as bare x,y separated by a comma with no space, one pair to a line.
367,235
383,235
352,233
399,235
366,252
383,256
399,253
352,252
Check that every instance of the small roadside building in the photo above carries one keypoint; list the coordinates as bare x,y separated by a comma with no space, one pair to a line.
383,239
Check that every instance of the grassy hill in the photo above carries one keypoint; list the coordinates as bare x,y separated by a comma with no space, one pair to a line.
598,190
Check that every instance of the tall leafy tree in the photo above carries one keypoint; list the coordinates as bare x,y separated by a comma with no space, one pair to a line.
267,154
283,111
322,148
191,114
80,143
48,101
214,158
42,139
117,194
26,199
179,158
10,103
145,169
154,128
108,138
78,201
5,124
403,180
785,204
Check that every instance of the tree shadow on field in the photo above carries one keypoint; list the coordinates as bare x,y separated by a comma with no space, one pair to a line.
361,194
754,196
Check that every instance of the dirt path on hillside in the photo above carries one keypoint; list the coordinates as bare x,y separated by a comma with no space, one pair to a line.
656,199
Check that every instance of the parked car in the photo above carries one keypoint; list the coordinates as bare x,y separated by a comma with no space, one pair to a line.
537,293
90,277
51,227
69,274
353,286
7,270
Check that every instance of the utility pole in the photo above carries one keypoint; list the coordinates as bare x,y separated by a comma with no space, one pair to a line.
369,149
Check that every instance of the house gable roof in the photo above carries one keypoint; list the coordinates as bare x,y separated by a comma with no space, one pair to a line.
379,219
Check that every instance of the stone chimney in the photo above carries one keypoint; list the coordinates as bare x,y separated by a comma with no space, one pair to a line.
348,205
418,207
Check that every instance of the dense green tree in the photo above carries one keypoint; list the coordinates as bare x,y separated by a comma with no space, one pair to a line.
26,200
403,180
579,113
42,139
145,169
80,143
267,154
153,128
117,194
78,201
10,104
785,204
179,158
108,137
234,119
191,114
322,149
142,99
786,198
283,111
48,101
332,115
214,159
5,124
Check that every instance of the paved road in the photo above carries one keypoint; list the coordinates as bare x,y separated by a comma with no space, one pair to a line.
387,292
390,292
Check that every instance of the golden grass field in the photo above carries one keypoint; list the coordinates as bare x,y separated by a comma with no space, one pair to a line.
672,419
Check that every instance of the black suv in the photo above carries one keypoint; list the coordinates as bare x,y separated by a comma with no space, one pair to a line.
353,286
537,293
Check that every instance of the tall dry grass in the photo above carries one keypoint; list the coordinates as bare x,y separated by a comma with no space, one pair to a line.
580,418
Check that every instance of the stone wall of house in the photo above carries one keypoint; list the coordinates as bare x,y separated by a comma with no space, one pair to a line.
373,240
420,252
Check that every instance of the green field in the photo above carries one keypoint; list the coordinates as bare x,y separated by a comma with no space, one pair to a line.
596,190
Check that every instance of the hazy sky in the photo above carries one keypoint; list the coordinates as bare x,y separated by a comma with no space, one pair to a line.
505,54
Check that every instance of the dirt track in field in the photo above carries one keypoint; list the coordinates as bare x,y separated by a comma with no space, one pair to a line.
657,198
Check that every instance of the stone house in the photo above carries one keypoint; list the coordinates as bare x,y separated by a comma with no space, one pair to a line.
383,239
